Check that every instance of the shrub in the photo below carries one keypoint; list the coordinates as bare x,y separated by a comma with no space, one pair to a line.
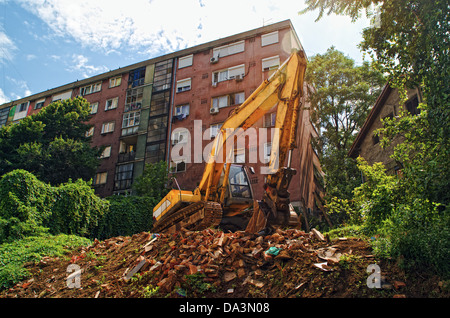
31,207
342,211
76,210
419,232
406,225
126,216
377,196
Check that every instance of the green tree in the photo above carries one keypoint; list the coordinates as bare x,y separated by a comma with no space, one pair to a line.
411,44
340,94
51,144
153,182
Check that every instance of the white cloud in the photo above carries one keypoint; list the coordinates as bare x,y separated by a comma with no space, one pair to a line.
19,85
3,97
80,64
7,47
152,27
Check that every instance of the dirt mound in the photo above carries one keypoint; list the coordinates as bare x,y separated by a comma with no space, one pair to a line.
211,263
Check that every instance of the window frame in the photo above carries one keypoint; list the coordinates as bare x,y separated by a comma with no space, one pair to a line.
115,81
93,88
270,38
186,61
99,177
94,108
182,86
106,153
114,103
108,125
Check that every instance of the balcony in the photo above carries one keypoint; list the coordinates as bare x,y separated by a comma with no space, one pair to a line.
128,156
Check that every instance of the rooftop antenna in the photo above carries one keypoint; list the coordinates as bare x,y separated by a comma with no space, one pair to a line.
265,21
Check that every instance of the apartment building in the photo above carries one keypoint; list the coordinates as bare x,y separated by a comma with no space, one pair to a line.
141,112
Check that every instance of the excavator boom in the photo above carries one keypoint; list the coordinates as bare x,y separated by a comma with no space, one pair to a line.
283,89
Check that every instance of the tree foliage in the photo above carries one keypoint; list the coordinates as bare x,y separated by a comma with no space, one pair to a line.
51,144
153,182
341,95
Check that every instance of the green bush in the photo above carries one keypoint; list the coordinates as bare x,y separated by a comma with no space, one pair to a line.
31,207
377,197
419,232
406,225
31,249
76,210
126,216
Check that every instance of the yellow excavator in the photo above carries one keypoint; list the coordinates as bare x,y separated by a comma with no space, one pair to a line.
224,196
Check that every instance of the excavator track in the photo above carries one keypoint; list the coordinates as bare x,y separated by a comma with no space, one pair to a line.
196,216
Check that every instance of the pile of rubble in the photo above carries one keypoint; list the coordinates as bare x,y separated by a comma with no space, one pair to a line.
221,257
286,263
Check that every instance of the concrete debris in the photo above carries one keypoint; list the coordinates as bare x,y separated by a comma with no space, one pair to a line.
318,235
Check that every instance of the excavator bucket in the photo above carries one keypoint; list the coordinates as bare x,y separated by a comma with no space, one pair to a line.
258,221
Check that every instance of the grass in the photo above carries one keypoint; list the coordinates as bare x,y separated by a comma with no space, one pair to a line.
14,255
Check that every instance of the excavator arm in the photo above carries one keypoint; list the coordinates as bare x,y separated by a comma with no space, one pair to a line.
204,206
285,88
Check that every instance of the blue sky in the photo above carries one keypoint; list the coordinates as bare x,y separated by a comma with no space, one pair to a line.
49,43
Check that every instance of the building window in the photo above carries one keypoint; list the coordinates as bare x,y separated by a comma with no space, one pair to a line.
137,77
90,132
269,120
106,152
269,38
228,100
130,123
100,178
62,96
412,104
39,104
94,108
111,103
162,79
155,152
181,111
183,85
229,49
22,107
123,177
185,61
214,130
267,150
234,72
108,127
131,119
160,103
21,111
157,129
93,88
4,113
134,99
270,63
115,81
180,136
177,166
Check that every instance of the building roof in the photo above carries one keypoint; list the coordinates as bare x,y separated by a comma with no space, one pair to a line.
373,115
191,50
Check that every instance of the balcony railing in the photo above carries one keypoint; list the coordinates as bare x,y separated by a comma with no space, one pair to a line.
129,156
